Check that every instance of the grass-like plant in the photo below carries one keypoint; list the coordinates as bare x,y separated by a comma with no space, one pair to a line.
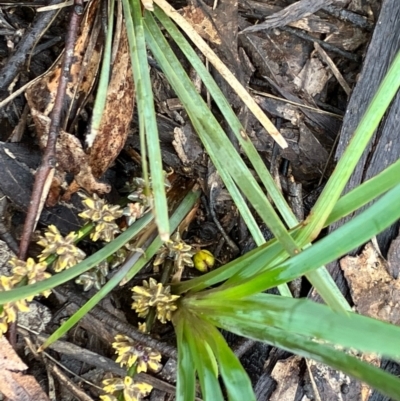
238,304
232,297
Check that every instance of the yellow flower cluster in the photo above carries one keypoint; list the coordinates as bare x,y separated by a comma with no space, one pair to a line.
130,352
103,216
28,272
55,244
154,294
175,249
131,390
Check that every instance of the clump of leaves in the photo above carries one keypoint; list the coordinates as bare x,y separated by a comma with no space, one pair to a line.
232,297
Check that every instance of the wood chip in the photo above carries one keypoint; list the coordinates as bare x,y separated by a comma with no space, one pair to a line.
333,68
286,374
201,23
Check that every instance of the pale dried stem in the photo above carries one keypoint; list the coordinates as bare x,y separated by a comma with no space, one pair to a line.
224,71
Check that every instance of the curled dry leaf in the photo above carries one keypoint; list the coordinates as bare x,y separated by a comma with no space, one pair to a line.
86,166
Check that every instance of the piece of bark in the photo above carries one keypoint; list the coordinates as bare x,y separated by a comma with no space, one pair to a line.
14,383
393,257
384,148
202,24
374,292
286,373
18,163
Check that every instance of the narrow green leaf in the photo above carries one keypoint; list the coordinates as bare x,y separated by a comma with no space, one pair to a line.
186,379
300,316
354,233
236,380
145,102
324,353
101,93
203,361
366,192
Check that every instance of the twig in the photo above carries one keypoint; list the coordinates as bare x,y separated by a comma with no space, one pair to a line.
99,361
333,68
67,383
327,46
107,326
18,59
45,172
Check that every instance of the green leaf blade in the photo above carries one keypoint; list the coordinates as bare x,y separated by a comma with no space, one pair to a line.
302,317
186,378
236,380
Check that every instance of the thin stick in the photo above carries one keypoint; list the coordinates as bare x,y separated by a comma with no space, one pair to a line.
224,71
45,172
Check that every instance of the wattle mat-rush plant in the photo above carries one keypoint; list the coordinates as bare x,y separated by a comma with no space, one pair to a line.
232,297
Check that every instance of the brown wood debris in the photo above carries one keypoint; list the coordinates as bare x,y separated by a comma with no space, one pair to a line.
87,165
15,384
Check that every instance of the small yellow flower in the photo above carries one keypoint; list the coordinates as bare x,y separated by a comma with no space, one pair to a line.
130,352
142,327
177,250
55,244
165,309
154,294
108,397
132,391
103,215
32,271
